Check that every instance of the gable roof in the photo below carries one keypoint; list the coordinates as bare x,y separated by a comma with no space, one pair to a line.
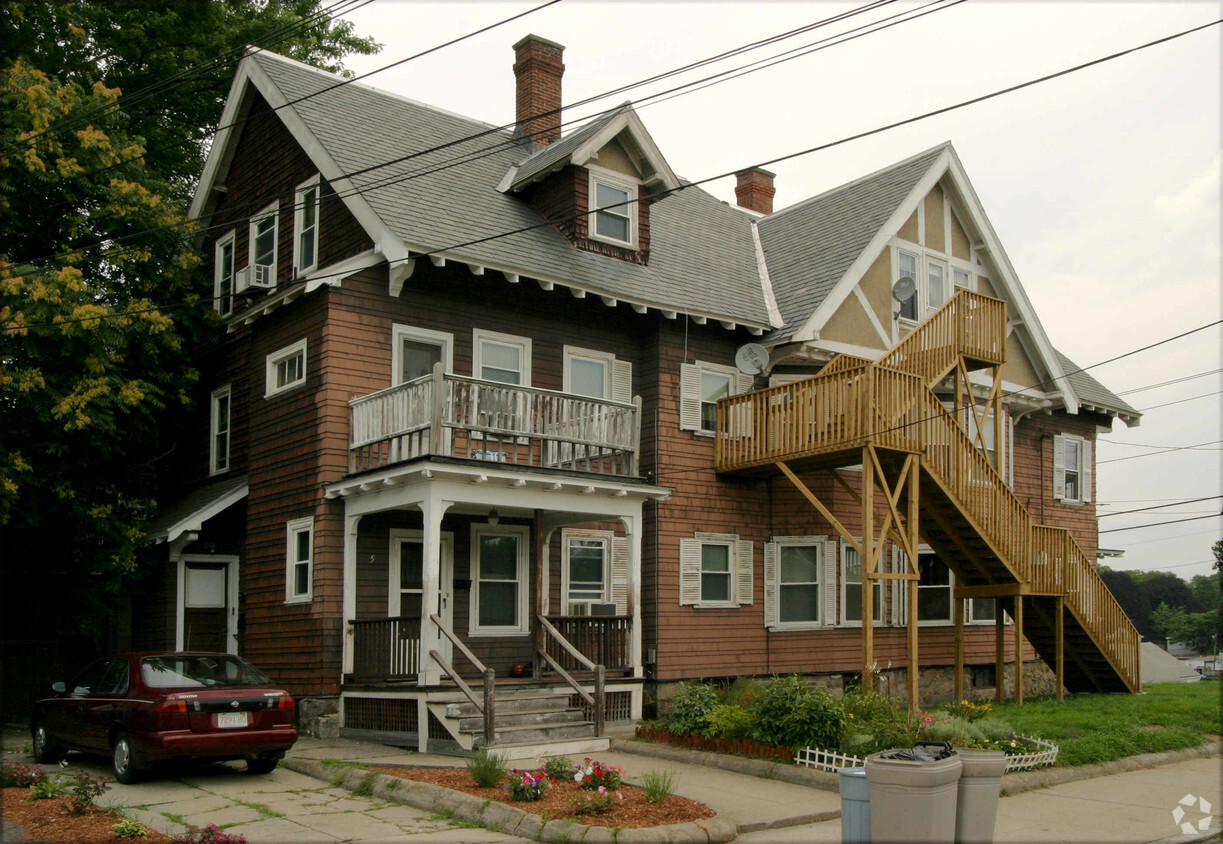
1095,396
811,246
443,197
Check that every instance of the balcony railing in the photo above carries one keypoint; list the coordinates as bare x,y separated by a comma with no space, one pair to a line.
386,648
601,639
456,416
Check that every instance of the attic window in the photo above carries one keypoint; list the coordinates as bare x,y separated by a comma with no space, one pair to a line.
615,221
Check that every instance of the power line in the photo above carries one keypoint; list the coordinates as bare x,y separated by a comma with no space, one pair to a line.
1180,401
1162,451
1159,506
1159,524
1212,532
1172,381
1177,566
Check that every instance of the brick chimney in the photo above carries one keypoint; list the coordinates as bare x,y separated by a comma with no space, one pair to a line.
538,71
754,190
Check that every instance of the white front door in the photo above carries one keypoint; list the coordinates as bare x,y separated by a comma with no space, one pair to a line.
405,591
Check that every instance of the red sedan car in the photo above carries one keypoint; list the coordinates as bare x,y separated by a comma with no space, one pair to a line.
144,708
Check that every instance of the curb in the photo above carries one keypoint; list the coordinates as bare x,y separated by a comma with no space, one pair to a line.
502,818
781,771
1044,777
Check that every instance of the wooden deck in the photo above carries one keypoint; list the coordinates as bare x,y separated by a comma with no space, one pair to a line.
968,513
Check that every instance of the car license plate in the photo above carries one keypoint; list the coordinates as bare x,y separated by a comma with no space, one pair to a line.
231,719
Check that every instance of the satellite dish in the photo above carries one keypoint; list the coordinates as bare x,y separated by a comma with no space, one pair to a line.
904,288
752,358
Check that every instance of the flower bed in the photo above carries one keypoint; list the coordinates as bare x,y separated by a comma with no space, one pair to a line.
741,747
1022,753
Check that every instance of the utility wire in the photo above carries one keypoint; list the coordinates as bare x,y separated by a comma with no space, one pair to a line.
1158,524
1180,401
1159,506
1168,383
1163,451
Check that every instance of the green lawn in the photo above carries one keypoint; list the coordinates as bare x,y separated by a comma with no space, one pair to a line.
1099,728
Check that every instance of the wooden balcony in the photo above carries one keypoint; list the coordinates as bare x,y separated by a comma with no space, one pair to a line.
455,416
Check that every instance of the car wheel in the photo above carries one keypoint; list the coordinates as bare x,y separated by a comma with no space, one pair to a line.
263,764
47,751
124,760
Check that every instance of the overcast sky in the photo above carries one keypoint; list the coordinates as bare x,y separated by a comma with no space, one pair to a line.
1103,185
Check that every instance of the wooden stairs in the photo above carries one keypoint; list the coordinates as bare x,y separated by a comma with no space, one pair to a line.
537,717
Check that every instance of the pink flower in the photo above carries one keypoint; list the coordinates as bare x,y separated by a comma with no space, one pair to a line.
602,789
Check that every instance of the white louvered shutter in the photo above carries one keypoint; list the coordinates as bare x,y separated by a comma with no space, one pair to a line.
1059,467
689,571
772,580
829,610
689,397
1085,471
743,383
622,380
619,574
895,588
744,582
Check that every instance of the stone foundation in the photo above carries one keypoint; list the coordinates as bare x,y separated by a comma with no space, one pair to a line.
319,717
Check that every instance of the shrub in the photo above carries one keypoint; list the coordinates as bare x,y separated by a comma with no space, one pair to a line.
211,834
792,713
968,710
658,785
955,730
17,775
741,693
599,802
995,729
692,702
559,768
82,792
527,786
596,776
128,830
728,721
47,789
487,768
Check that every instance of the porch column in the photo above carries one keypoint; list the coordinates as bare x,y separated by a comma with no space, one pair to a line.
432,509
350,590
632,532
1018,649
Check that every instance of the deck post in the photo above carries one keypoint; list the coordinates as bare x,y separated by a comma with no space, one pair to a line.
432,509
490,707
437,443
999,652
1059,636
539,574
632,532
350,590
868,583
958,609
1019,649
600,700
911,585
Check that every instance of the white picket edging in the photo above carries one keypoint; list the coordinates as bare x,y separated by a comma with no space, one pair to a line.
828,760
1036,759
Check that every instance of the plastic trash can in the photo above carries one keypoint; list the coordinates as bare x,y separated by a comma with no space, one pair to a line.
913,793
976,807
855,806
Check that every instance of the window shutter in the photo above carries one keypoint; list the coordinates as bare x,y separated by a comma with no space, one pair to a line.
829,612
771,584
622,380
743,572
1059,467
619,574
1085,471
689,571
689,397
897,587
743,383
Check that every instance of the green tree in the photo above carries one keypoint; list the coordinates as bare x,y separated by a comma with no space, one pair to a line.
1217,548
1199,630
95,342
1166,620
1205,587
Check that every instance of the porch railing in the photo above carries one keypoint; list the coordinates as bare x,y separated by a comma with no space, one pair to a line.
603,640
486,706
598,701
452,415
386,648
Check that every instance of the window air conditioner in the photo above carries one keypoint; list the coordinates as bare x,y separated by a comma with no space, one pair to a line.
263,277
253,277
242,280
602,609
579,608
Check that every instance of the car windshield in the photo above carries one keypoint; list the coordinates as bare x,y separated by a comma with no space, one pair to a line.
199,670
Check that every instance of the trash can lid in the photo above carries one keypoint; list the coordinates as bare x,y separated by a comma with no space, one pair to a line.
923,751
912,771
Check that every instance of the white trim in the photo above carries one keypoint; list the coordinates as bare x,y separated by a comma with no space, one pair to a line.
884,336
691,395
225,392
615,181
1060,441
650,153
221,301
877,585
607,359
445,579
766,281
399,333
605,538
292,562
522,610
481,335
231,596
950,587
271,212
722,540
314,183
773,583
272,367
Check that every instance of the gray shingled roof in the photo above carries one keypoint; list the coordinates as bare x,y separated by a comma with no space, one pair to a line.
810,246
556,155
702,257
1091,392
185,513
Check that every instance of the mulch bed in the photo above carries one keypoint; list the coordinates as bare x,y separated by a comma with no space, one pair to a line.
49,821
632,812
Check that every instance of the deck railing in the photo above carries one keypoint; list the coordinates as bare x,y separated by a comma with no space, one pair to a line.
386,648
968,324
457,416
601,639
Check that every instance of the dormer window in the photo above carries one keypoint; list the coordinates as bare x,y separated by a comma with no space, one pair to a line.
614,202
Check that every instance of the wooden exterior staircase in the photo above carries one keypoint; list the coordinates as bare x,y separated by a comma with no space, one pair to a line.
965,510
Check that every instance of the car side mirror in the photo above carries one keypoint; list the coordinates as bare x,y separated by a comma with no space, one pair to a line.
59,688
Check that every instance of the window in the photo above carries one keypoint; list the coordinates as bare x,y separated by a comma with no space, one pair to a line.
300,560
613,202
930,274
715,570
218,426
906,263
585,564
1071,469
936,284
263,242
414,352
933,590
499,582
305,227
983,609
800,582
597,375
701,385
851,589
505,358
286,369
223,280
962,280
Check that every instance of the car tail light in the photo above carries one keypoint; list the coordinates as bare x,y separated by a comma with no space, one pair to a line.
286,702
170,705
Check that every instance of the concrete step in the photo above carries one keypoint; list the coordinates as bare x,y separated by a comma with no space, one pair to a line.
529,718
507,704
560,747
539,735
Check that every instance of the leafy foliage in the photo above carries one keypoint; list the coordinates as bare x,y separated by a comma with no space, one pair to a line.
129,830
18,775
528,786
211,834
598,776
658,785
791,712
728,721
692,703
487,768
